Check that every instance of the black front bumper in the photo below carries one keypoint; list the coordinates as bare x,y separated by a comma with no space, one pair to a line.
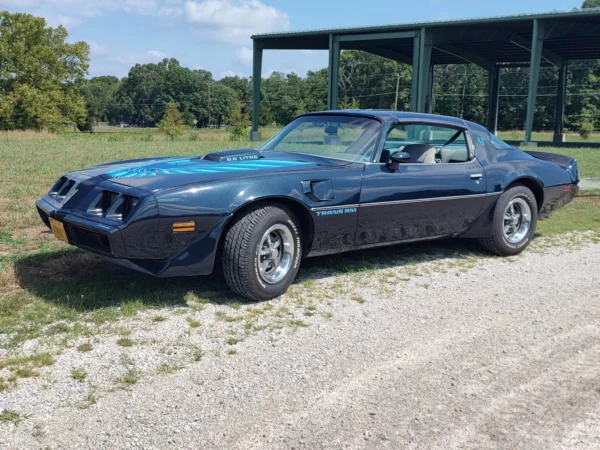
83,233
127,245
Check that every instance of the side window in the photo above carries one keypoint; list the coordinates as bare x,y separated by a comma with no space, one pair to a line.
427,144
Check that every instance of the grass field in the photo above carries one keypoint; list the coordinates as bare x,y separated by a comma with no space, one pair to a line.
52,291
545,136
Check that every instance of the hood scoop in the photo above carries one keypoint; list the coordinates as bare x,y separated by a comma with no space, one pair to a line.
243,154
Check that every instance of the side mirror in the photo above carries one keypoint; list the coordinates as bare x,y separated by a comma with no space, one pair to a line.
397,159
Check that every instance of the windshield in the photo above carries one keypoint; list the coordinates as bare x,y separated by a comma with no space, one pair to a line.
339,137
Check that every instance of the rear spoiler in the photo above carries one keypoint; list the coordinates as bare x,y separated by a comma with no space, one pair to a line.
566,162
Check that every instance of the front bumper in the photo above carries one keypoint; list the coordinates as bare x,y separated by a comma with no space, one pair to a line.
142,246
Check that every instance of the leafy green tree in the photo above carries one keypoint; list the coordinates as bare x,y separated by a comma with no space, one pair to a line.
172,123
40,74
591,4
99,93
350,103
237,121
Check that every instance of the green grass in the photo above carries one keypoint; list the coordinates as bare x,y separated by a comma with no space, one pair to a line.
12,416
545,136
583,214
85,347
130,377
79,374
125,342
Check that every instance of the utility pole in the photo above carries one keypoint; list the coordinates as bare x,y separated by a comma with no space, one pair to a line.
397,88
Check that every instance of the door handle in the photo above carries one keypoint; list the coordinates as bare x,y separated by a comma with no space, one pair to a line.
476,176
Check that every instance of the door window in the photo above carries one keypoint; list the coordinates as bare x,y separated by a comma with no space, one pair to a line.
427,144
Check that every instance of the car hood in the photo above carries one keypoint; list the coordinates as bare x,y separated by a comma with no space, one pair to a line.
163,173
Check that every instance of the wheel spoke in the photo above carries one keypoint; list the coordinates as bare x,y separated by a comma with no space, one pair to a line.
264,265
264,252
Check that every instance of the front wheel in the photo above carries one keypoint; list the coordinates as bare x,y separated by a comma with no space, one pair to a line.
514,223
262,252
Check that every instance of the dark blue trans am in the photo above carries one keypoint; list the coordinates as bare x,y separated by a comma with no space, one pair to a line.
329,182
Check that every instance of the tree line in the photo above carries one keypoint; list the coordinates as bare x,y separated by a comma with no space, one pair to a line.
43,86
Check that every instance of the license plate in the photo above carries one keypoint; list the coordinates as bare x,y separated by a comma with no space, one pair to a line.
58,229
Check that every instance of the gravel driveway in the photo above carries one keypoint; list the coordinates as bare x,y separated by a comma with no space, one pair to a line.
438,353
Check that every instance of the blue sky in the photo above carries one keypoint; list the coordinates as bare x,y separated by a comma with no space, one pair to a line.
215,34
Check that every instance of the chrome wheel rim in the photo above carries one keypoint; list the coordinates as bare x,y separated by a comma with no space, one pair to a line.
275,254
517,220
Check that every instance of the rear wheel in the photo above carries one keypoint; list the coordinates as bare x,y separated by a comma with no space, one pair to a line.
514,223
262,252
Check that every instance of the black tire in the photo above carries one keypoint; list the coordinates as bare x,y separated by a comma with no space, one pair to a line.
498,243
241,251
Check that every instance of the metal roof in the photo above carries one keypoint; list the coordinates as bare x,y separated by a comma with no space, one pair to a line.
555,15
483,41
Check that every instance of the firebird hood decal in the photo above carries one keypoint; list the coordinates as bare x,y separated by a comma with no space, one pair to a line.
188,166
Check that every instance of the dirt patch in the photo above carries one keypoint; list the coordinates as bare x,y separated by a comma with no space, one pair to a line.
37,233
8,280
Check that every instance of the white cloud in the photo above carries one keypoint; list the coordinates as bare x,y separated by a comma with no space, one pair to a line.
131,59
156,54
234,21
231,73
229,21
66,21
169,12
92,8
244,55
97,49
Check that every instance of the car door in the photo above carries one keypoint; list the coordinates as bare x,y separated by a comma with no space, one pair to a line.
421,200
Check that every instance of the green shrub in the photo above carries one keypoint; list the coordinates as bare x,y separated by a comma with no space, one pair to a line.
586,130
236,133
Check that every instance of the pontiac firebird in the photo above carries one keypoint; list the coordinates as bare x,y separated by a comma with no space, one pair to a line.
329,182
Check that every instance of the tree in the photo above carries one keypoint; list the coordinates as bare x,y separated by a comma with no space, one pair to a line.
591,4
172,122
237,121
99,93
40,74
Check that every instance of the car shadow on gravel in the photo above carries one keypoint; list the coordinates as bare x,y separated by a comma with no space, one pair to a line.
86,282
